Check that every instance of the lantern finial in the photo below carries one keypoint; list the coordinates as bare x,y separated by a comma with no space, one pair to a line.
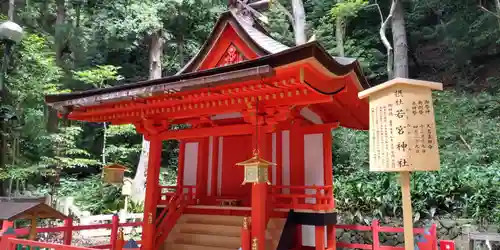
256,169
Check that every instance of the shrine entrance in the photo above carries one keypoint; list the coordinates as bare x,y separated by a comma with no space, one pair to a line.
235,149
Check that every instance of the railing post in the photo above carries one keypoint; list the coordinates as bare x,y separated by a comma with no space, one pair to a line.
115,221
434,236
245,234
68,232
375,237
120,241
447,245
331,240
6,235
6,225
319,237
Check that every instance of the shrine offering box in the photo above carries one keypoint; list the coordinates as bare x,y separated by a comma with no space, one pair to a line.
402,126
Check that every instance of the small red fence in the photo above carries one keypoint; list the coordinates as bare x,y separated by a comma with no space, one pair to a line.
427,239
68,230
14,244
318,198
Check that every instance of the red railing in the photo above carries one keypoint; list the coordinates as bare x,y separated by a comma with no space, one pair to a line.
175,202
167,192
69,228
318,198
430,236
13,244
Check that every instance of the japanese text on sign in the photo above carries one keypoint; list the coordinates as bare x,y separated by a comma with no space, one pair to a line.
402,129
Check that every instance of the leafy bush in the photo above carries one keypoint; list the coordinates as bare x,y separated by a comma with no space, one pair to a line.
467,184
92,195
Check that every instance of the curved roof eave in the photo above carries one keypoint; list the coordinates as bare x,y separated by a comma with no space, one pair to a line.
294,54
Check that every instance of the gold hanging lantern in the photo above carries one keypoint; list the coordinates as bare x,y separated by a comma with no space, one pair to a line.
256,169
113,174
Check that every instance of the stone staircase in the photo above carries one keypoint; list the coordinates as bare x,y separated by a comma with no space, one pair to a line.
215,232
205,232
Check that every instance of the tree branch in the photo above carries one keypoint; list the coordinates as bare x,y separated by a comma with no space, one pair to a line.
488,11
383,36
287,14
465,142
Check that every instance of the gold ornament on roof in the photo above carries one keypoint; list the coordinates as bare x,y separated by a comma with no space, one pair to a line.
256,169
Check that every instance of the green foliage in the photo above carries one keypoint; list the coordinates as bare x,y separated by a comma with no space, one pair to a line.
124,145
347,8
98,76
33,73
450,41
467,184
92,195
63,152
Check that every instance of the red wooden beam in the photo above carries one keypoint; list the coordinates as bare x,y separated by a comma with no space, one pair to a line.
242,129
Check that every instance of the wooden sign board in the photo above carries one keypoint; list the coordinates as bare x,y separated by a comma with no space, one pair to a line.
402,126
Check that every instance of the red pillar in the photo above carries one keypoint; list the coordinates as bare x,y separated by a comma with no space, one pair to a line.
331,241
320,237
152,192
259,197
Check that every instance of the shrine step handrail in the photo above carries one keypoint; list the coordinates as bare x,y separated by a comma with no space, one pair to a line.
167,192
170,214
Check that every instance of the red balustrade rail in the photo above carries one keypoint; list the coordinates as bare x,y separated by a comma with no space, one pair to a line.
167,192
430,236
69,228
14,244
319,198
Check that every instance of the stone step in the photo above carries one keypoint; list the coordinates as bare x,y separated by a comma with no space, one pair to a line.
213,219
208,240
210,229
194,247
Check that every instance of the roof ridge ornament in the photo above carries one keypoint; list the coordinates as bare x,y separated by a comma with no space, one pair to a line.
247,13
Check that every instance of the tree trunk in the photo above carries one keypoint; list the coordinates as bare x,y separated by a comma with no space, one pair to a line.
60,41
139,182
339,36
497,10
10,13
180,49
400,41
3,101
104,139
299,16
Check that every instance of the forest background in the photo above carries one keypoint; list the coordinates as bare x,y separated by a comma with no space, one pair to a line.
72,45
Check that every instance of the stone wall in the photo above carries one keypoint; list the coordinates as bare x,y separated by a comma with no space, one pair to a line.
447,229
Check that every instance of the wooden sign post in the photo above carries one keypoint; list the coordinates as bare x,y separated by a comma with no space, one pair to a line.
403,135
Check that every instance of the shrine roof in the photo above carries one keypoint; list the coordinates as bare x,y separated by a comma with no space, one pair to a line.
177,83
13,210
257,37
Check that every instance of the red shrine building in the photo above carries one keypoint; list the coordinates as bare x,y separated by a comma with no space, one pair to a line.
255,156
